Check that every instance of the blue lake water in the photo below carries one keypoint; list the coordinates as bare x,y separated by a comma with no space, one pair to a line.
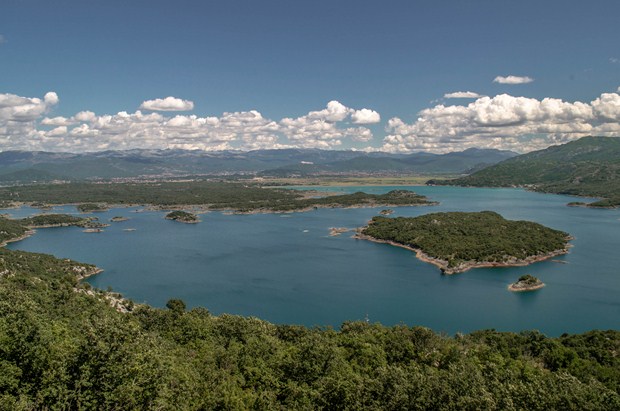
285,268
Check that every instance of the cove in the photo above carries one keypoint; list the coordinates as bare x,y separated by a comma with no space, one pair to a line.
285,268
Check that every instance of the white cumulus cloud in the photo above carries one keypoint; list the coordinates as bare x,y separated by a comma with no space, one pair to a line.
319,129
505,122
335,111
167,104
462,94
513,80
18,119
365,116
25,126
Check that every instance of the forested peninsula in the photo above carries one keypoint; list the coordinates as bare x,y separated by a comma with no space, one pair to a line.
459,241
64,345
239,197
14,230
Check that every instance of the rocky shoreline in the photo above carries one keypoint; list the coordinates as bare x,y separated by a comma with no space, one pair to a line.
518,288
19,238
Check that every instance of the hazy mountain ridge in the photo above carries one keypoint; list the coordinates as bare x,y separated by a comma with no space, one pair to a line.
417,163
25,166
589,166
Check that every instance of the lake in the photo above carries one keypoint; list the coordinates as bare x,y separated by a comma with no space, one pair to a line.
285,268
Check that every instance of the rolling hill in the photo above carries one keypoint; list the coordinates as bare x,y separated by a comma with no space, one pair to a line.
462,162
589,166
28,167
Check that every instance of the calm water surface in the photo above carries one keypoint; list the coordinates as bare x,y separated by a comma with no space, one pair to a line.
286,269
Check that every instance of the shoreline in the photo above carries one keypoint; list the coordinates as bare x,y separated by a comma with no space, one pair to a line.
535,189
206,208
443,264
19,238
82,272
311,208
517,288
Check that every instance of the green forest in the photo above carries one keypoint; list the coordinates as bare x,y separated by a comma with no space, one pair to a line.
215,195
62,346
12,229
458,237
183,216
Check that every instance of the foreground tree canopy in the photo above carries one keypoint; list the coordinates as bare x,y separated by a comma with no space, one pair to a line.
62,346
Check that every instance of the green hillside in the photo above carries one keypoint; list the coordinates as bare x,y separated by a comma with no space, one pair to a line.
462,162
589,166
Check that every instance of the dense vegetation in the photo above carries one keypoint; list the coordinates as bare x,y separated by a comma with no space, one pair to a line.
12,229
182,216
461,238
358,199
528,279
43,220
215,195
586,167
90,207
63,347
526,282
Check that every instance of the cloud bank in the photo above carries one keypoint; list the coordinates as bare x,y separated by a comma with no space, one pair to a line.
504,122
25,125
512,80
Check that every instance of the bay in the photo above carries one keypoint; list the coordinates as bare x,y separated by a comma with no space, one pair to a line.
285,268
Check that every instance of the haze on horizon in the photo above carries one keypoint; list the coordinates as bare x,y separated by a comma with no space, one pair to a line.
396,77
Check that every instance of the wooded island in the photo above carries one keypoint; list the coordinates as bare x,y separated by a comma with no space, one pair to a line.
458,241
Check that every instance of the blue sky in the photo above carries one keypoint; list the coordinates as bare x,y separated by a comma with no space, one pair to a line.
266,61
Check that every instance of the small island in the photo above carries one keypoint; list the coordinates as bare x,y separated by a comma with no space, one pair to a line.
387,211
40,205
526,283
93,230
458,241
182,217
60,220
92,207
118,219
336,231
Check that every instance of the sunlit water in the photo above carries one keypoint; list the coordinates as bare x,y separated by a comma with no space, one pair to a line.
285,268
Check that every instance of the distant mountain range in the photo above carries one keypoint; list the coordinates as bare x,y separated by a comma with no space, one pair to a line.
39,166
589,166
